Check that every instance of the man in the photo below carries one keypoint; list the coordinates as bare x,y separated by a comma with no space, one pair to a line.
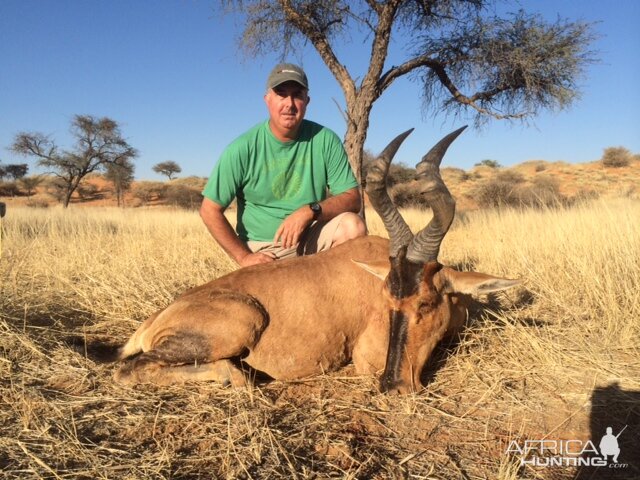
279,172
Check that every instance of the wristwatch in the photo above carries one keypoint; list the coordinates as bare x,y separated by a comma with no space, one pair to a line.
316,208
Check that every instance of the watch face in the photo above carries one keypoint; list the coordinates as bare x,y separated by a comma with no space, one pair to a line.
316,209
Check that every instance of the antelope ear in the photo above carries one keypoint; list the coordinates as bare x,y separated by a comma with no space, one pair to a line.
473,283
379,269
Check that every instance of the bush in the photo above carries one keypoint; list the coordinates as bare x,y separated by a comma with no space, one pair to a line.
193,182
9,189
56,188
510,191
183,197
544,191
87,191
29,184
488,163
148,191
616,157
406,195
454,175
495,193
510,176
35,202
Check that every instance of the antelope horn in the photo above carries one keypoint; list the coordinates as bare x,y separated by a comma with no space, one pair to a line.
376,186
426,244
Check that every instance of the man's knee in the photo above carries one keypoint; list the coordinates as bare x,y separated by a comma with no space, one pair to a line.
351,226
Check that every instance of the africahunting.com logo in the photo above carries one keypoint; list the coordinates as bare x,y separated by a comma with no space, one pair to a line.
569,453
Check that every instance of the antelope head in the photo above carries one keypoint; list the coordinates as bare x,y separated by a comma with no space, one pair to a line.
420,293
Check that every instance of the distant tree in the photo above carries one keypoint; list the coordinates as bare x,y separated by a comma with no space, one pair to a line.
99,143
16,170
168,168
616,157
3,172
488,163
467,59
121,176
29,184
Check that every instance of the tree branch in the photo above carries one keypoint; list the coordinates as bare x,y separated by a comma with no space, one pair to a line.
321,43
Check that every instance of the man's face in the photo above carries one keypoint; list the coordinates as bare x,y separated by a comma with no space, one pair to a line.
287,104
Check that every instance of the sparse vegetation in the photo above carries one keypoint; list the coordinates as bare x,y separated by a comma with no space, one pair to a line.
99,142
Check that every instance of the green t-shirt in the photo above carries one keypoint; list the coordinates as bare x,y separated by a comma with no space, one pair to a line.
271,179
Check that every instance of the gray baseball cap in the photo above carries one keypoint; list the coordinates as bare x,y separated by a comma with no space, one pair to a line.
287,72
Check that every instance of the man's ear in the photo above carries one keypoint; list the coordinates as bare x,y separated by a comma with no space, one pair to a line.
379,269
473,283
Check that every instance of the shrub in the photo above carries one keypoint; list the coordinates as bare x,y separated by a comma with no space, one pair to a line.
510,176
56,188
9,189
30,183
87,191
453,174
35,202
544,191
183,197
400,173
488,163
406,195
616,157
495,193
148,191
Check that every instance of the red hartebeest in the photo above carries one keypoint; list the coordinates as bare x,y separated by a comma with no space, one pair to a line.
379,303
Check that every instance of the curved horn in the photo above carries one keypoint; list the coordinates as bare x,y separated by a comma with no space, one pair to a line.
376,186
426,244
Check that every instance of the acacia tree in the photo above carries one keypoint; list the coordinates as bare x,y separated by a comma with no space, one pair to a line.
120,174
99,143
16,170
466,60
168,168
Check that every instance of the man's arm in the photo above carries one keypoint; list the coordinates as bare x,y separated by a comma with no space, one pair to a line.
221,230
292,227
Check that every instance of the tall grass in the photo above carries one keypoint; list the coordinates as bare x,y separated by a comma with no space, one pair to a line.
529,365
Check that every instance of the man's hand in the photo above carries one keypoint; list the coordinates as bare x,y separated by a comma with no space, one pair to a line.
292,227
256,258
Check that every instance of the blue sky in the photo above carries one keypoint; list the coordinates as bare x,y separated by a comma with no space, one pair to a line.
170,72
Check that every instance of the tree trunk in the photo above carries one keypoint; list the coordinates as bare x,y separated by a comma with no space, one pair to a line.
355,137
67,198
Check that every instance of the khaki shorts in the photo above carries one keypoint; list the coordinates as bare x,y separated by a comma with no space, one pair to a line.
316,238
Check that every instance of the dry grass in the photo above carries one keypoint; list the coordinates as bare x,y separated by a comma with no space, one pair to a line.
556,359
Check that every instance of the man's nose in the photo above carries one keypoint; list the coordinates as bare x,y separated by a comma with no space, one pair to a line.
291,101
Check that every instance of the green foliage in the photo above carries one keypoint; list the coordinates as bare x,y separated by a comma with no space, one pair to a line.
99,143
168,168
15,170
488,163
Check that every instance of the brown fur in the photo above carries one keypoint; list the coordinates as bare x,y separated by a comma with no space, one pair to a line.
291,319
